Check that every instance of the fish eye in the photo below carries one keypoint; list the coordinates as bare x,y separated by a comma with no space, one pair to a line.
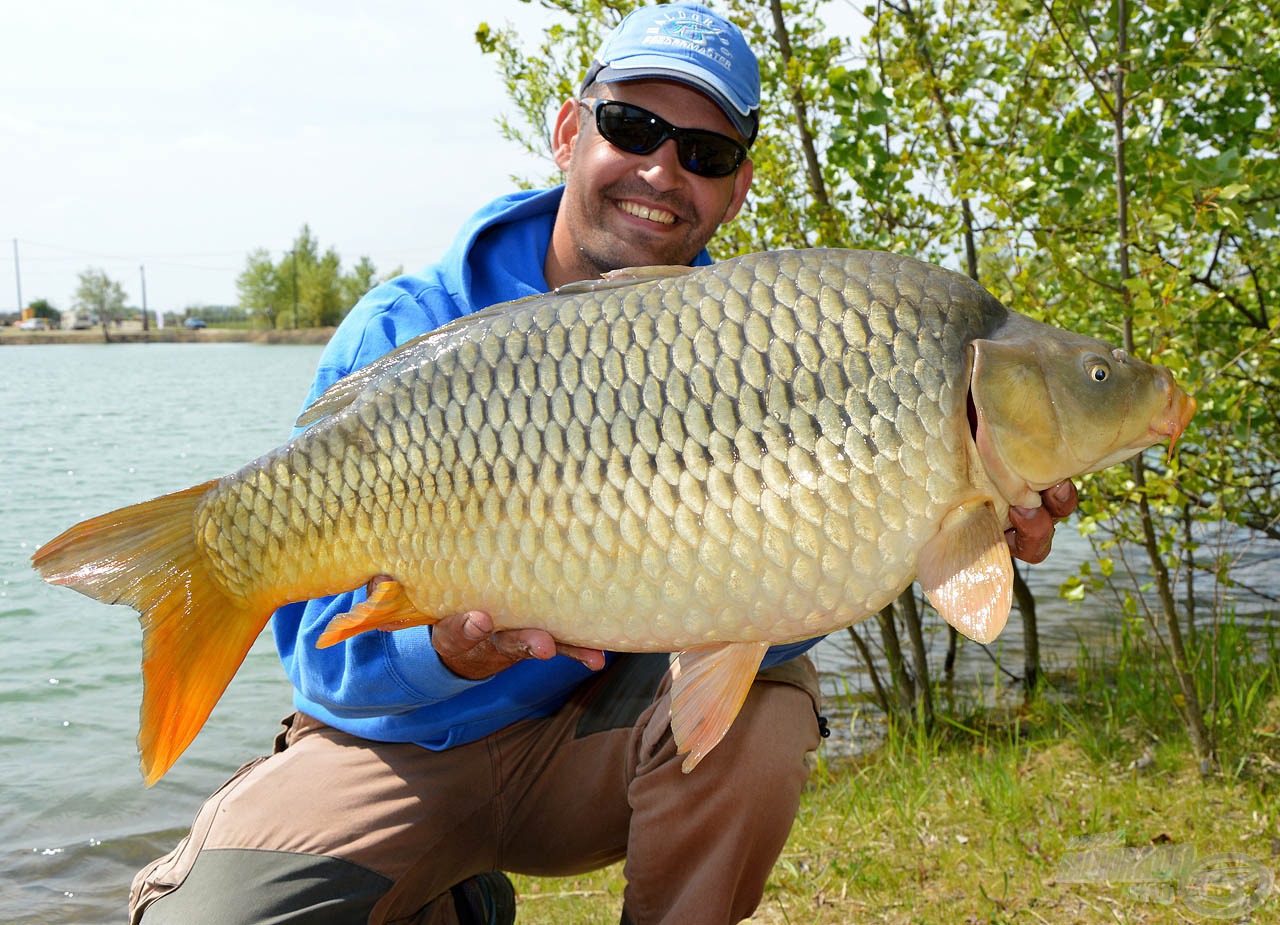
1098,370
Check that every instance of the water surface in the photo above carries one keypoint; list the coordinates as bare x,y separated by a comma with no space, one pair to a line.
91,428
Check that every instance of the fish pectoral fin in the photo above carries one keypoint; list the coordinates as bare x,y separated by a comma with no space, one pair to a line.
387,608
967,573
627,276
708,687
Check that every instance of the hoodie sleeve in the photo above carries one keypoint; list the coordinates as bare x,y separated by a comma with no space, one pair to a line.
372,674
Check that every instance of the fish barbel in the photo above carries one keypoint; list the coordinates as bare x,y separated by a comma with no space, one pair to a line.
701,461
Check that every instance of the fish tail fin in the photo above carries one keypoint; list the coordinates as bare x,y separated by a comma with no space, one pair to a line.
194,635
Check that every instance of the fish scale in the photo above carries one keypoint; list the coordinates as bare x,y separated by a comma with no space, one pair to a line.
694,461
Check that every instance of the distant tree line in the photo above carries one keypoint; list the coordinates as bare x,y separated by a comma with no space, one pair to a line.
304,288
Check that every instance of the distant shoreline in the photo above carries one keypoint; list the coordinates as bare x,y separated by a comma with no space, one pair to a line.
11,337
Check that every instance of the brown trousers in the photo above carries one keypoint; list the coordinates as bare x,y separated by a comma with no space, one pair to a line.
334,828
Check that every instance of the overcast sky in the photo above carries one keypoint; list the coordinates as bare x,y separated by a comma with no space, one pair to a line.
179,136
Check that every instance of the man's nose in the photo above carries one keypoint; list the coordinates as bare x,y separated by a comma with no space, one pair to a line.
661,167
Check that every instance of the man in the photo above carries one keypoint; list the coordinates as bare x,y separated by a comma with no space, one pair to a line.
422,762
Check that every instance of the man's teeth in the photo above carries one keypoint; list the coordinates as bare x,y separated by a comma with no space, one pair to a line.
654,215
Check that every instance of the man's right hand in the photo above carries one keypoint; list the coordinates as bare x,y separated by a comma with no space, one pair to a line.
470,648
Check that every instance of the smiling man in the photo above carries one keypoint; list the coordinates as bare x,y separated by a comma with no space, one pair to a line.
626,209
422,763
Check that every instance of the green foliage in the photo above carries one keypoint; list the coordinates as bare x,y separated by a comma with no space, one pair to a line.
100,295
305,288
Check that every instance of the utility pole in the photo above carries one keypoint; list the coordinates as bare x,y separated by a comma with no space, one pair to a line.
17,275
295,288
143,271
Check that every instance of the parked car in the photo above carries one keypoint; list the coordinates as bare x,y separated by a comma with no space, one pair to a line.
195,323
34,324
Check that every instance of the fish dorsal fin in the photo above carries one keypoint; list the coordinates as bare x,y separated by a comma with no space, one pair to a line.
708,687
967,573
387,608
629,276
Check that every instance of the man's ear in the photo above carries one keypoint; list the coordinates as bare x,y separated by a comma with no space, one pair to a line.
741,186
565,134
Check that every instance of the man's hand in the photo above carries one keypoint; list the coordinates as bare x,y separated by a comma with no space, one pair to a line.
1031,535
470,648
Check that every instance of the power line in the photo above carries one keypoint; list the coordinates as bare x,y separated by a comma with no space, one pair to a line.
99,254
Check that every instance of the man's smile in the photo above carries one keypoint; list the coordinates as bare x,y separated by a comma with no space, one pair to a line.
652,213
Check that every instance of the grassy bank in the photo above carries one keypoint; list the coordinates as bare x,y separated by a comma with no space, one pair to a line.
11,336
972,823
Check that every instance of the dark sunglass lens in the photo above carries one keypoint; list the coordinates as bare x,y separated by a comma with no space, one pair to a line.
629,128
708,155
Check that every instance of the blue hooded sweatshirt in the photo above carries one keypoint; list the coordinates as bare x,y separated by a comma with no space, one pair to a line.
392,687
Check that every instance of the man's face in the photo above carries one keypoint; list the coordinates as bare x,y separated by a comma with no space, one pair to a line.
623,210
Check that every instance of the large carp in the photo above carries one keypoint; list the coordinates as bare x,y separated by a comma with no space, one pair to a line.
696,461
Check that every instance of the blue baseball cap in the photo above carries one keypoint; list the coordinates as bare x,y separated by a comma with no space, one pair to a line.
688,43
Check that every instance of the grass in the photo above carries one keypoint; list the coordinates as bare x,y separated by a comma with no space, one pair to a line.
970,823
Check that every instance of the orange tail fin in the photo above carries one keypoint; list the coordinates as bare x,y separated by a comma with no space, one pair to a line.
194,636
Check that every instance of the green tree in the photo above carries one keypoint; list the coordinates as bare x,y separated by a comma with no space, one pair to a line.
100,295
259,287
42,308
305,288
362,278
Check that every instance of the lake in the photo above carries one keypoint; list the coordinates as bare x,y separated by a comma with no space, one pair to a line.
91,428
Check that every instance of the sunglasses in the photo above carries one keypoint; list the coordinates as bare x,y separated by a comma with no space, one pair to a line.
638,131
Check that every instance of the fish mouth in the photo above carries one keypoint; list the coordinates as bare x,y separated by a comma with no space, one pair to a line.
1173,420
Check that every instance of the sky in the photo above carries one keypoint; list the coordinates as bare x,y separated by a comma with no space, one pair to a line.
177,137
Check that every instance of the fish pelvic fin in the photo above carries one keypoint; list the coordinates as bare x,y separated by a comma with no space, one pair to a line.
194,635
708,687
387,608
966,572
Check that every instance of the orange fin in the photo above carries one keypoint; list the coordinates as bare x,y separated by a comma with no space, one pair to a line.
194,636
966,572
708,687
388,608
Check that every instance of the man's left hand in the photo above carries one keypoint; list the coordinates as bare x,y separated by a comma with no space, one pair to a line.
1031,535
